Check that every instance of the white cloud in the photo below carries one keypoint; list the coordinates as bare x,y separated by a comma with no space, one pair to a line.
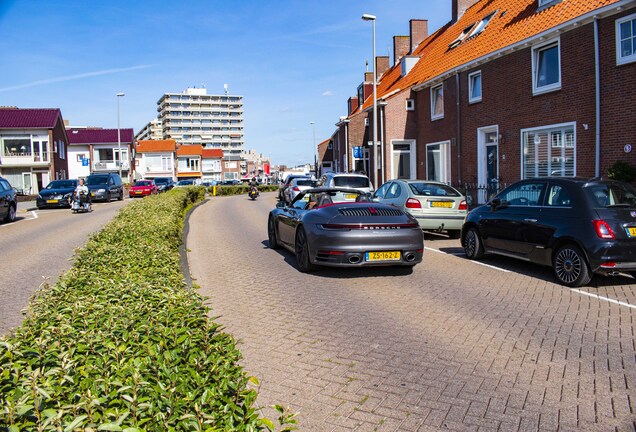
73,77
328,93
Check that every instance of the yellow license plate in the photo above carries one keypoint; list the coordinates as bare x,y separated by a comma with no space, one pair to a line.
442,204
351,196
51,201
631,232
383,256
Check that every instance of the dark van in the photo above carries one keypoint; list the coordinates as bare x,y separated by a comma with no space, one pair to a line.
105,187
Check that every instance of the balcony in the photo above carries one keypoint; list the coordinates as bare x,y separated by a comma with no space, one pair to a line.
24,159
109,166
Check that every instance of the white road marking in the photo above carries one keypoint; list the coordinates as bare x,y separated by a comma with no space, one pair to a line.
472,261
35,215
598,297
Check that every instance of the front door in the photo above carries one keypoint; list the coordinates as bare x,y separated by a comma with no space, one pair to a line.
492,166
403,160
26,182
488,162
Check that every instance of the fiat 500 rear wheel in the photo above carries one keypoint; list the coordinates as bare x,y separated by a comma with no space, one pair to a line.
570,266
302,252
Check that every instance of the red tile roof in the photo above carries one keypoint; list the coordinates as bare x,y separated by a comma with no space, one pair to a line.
99,136
212,153
190,150
29,118
156,146
513,22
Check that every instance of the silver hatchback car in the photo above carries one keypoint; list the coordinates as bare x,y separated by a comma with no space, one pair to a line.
436,206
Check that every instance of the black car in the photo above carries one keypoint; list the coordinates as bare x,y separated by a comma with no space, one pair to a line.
164,184
58,193
8,202
578,226
105,187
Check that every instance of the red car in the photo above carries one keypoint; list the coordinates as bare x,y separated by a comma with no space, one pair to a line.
142,188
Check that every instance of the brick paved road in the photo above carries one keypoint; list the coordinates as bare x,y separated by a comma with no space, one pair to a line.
454,345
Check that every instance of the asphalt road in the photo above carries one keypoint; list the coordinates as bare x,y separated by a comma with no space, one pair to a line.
37,248
454,345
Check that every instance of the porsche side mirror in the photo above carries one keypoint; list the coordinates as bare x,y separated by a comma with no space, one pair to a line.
281,204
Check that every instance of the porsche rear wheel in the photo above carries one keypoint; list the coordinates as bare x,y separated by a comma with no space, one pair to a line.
302,252
271,234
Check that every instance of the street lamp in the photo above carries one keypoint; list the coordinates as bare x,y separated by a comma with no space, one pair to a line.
367,17
313,126
119,95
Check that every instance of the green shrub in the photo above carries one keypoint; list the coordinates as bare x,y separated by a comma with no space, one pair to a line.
121,343
622,171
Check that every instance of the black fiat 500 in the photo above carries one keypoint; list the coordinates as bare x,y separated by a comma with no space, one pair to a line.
578,226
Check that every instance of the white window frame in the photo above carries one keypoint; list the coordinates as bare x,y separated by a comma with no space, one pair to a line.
481,26
413,158
410,104
620,60
550,148
433,100
445,161
536,50
472,99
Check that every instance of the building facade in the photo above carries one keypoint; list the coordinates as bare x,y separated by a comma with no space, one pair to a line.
151,131
155,158
212,164
95,150
33,148
196,117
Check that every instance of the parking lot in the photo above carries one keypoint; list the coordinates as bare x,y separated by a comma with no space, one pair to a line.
455,344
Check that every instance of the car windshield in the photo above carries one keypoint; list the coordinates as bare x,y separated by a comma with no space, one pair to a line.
96,180
161,181
610,195
351,181
143,183
306,182
62,184
433,189
185,182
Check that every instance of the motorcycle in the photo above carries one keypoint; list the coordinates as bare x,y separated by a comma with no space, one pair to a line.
253,193
81,203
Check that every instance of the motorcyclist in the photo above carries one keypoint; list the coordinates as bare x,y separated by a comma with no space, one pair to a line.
253,183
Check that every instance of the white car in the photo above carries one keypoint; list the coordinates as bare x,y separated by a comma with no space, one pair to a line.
347,180
296,186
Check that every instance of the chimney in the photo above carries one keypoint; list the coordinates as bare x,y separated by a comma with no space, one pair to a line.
460,6
400,47
381,65
353,104
418,32
368,77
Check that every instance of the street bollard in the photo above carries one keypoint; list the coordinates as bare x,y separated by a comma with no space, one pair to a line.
213,190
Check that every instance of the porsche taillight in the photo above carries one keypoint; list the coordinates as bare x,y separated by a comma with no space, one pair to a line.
603,229
296,189
412,203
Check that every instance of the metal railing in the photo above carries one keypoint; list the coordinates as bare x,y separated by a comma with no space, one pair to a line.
478,194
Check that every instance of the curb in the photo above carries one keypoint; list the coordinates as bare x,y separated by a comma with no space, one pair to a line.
183,248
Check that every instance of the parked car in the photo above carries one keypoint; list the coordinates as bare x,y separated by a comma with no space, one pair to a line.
164,184
296,186
183,183
143,188
105,187
577,226
436,206
285,184
346,180
321,228
58,193
209,183
8,201
233,182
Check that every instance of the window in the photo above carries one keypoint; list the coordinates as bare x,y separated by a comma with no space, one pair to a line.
474,87
461,37
525,194
482,25
549,151
410,104
80,157
546,66
547,3
437,102
626,40
438,161
558,197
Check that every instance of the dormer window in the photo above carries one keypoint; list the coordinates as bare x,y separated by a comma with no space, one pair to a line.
482,25
461,37
547,3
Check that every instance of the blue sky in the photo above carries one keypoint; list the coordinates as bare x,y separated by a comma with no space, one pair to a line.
293,61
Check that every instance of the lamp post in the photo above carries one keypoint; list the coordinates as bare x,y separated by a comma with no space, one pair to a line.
367,17
313,126
119,95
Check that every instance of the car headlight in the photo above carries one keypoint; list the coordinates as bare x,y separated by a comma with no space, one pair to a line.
101,190
68,195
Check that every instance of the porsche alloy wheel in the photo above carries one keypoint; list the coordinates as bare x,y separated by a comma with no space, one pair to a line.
302,252
271,234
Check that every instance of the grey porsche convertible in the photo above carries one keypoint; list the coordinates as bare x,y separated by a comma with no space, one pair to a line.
341,227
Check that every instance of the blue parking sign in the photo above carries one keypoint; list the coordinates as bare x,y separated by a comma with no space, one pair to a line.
84,161
357,152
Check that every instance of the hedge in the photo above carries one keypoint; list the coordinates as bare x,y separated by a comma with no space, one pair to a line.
120,343
240,189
